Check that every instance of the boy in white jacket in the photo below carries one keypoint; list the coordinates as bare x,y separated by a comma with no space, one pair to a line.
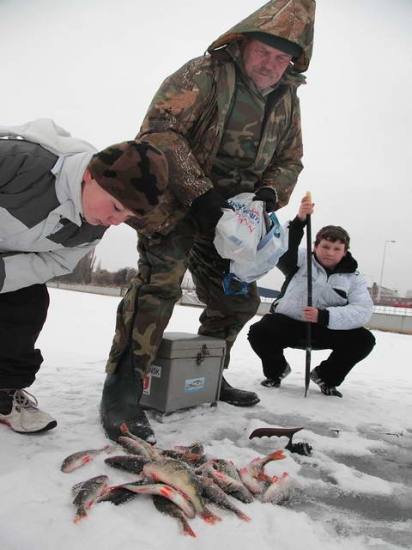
58,195
341,306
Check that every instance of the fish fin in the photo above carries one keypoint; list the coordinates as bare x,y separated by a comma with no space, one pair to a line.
277,455
187,530
243,516
209,516
80,514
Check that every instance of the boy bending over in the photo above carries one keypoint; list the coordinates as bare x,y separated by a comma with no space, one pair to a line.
58,196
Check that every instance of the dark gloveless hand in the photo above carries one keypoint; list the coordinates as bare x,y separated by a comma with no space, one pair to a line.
269,196
207,209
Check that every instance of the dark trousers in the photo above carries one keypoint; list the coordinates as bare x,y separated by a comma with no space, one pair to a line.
275,332
22,316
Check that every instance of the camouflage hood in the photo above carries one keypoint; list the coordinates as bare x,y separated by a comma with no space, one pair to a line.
292,20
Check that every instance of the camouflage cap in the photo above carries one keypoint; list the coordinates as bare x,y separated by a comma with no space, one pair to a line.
134,172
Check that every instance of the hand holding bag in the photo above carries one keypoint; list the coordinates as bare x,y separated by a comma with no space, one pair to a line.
251,239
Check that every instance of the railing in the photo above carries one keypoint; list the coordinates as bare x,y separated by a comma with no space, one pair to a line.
386,318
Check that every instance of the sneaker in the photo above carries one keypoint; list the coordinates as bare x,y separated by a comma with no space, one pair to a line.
326,390
25,417
330,390
236,397
275,382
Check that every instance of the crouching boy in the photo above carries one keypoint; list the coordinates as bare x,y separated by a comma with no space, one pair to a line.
341,306
57,198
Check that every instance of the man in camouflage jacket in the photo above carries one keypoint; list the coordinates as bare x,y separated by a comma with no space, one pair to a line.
228,122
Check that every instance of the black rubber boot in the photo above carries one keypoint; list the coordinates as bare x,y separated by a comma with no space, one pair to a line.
239,398
6,401
121,395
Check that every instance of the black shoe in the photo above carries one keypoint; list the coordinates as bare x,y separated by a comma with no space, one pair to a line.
271,382
326,390
330,390
239,398
121,395
275,382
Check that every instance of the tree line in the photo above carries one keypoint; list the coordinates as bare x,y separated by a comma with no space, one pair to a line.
88,272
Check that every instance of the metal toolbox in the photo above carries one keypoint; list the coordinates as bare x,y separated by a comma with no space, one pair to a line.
186,372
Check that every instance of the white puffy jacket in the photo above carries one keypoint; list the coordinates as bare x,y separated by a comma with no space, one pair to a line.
343,293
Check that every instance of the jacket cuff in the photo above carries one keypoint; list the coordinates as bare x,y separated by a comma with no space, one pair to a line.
323,317
297,223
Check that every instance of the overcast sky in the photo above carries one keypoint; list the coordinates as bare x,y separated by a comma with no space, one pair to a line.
94,65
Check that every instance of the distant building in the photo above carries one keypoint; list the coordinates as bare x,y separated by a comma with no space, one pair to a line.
384,296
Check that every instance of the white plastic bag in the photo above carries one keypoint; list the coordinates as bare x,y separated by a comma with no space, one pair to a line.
239,232
251,239
270,248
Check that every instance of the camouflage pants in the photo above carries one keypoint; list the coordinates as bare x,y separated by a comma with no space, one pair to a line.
147,307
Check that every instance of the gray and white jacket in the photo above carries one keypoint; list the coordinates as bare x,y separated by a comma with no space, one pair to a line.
340,295
42,234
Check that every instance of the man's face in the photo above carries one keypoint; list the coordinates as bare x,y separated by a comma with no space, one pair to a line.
263,64
329,253
99,207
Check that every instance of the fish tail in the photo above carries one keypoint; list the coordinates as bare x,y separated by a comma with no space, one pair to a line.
241,515
277,455
187,530
209,516
80,514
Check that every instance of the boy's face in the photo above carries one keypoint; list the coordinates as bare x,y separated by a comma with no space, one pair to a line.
101,208
329,253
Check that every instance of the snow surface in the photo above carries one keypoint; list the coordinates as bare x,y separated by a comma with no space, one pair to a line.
354,491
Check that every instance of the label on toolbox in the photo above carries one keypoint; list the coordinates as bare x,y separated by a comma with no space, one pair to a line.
194,384
156,372
191,384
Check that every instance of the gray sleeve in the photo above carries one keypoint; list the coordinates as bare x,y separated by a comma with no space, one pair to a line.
20,270
22,163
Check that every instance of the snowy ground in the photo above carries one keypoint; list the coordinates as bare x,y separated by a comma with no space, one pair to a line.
354,491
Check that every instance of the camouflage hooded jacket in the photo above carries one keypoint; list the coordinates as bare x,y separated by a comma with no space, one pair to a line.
187,116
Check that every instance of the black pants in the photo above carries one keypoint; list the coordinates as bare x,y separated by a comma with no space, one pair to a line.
22,316
275,332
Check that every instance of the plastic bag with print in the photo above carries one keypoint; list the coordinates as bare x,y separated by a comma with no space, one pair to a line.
239,231
251,239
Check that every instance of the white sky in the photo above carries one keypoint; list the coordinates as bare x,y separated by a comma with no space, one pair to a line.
94,65
353,493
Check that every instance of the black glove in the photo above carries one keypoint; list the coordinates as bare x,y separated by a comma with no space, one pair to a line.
269,196
208,209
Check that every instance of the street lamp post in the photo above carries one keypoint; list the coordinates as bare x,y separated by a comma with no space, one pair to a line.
382,267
